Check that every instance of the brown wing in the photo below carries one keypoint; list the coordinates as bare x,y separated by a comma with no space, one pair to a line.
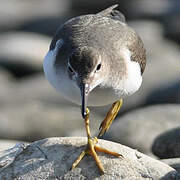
138,52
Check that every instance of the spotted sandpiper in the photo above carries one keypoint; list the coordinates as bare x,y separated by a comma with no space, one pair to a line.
95,60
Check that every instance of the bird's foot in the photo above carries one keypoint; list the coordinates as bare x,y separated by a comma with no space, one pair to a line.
110,117
91,150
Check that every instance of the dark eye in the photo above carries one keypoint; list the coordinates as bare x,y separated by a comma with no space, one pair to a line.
98,67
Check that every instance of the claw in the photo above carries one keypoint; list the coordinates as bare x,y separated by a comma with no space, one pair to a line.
92,148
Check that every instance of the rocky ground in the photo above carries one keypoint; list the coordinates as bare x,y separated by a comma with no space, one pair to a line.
30,109
58,154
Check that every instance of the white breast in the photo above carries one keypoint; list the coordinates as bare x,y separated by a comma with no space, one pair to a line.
59,79
99,96
132,80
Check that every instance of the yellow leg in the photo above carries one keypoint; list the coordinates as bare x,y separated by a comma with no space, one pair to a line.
92,148
112,113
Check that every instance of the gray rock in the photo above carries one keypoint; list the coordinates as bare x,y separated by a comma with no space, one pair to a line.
33,120
6,81
21,52
169,93
7,156
52,159
167,144
18,92
154,8
7,144
173,162
5,77
47,25
42,91
16,12
140,127
172,26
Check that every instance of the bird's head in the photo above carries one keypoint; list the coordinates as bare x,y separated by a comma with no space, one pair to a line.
87,69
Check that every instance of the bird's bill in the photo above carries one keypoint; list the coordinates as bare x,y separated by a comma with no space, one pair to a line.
84,98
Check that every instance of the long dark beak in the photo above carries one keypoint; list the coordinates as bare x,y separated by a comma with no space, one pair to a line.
84,97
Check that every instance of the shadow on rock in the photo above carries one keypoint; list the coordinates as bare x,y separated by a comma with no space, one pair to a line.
167,144
167,94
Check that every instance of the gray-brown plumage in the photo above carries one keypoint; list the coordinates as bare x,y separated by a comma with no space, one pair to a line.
103,35
105,31
99,59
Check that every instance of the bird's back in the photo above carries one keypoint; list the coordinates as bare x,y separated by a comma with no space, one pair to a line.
106,31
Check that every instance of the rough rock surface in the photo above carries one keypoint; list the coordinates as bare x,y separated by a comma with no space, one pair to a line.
7,144
139,128
167,144
52,159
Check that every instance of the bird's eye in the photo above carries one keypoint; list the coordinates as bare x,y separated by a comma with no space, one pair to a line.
98,67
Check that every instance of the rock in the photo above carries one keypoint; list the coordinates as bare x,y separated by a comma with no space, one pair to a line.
154,9
15,13
169,93
7,144
172,26
5,77
167,144
21,52
173,162
46,25
42,91
19,92
6,80
33,120
7,156
140,127
52,158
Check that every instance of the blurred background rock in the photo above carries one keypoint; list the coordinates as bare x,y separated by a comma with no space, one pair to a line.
30,109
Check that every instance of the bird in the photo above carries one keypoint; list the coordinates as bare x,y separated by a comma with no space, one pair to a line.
96,60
